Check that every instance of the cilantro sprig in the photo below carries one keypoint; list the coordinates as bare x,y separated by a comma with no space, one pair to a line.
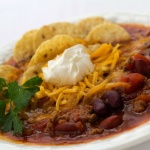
16,98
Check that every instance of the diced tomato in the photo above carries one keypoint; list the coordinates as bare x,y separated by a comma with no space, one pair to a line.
144,97
136,80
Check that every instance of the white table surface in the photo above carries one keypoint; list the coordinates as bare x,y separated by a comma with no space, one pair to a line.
19,16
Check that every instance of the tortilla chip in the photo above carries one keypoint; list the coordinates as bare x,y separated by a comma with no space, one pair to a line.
24,47
32,71
51,48
86,25
48,32
93,47
107,33
9,73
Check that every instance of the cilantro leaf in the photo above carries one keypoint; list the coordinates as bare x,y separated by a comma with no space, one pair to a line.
19,96
32,84
35,81
33,89
17,124
11,120
6,94
6,122
2,107
2,84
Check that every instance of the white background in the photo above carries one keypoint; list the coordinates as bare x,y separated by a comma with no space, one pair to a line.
19,16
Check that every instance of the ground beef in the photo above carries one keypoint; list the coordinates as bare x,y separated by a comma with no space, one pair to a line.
96,131
73,121
139,106
78,113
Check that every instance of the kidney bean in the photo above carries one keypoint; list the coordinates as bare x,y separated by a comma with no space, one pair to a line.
40,125
141,57
100,107
69,127
111,122
113,99
140,66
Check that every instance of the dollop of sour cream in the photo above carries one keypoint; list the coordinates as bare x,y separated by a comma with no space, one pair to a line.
69,68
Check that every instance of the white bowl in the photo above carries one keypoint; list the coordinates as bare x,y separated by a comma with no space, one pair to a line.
120,141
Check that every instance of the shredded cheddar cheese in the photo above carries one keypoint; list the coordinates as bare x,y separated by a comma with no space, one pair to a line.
103,50
95,77
58,101
88,84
